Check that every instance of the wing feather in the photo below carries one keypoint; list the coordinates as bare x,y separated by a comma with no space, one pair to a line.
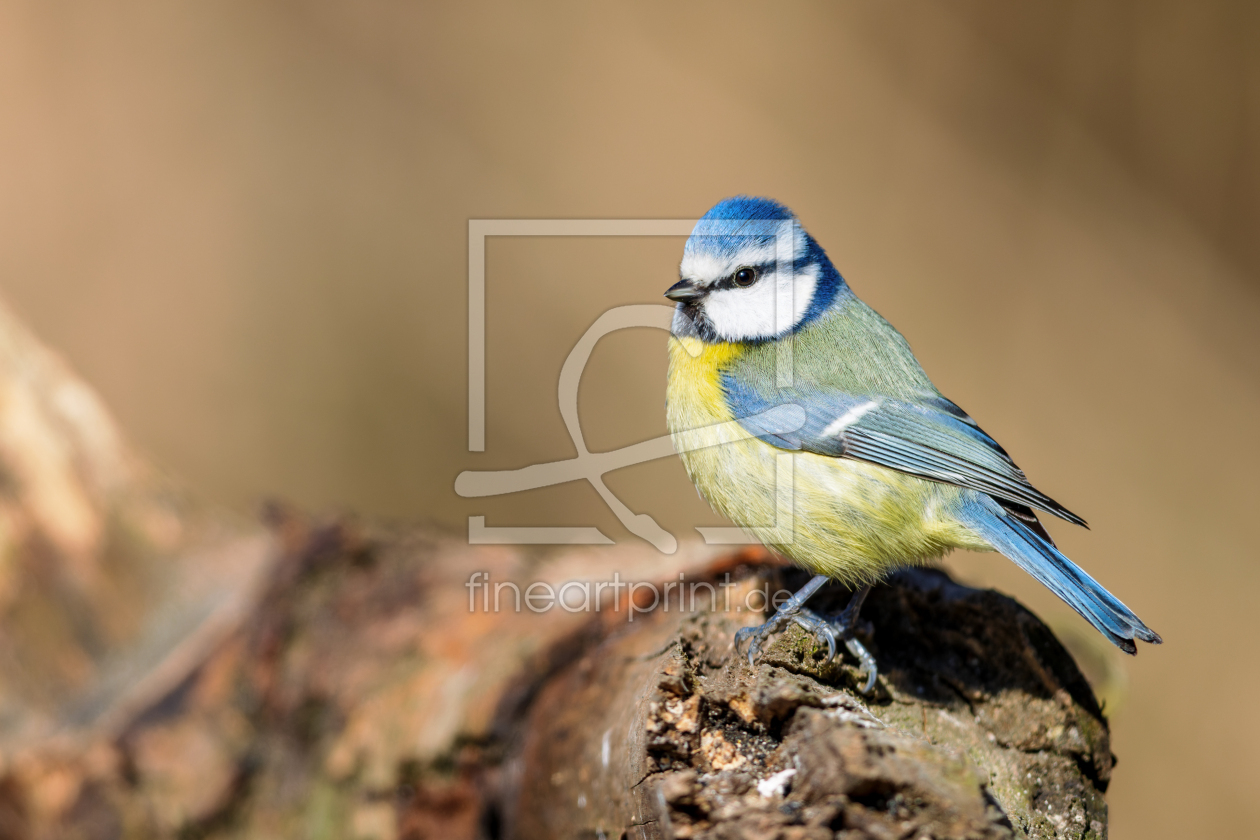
929,437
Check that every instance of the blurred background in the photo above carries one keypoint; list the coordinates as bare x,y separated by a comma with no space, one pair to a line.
246,225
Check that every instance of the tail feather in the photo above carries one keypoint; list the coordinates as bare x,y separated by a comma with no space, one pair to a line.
1038,556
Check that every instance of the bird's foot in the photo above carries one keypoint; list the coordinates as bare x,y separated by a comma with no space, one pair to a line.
790,609
827,631
756,636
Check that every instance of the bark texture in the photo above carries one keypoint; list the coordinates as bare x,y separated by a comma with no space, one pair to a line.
361,697
980,726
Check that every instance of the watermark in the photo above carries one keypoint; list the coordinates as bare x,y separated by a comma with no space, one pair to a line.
620,596
593,466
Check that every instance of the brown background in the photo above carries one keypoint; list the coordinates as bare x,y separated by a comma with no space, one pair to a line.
245,223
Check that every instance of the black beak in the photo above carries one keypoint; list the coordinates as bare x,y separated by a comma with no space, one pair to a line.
684,292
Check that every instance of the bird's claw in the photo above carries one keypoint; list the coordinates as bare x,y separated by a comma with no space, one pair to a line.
830,633
868,663
819,627
758,635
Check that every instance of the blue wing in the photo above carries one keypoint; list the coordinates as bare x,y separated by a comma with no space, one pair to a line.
927,436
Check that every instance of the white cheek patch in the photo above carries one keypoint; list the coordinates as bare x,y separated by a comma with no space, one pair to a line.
750,314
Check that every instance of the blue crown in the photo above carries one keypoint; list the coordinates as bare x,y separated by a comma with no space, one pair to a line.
738,223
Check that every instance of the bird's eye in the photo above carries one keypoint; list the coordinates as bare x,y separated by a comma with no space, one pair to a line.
745,276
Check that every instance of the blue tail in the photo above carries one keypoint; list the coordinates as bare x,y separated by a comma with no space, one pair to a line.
1038,556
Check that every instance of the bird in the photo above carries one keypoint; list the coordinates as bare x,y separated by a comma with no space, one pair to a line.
772,356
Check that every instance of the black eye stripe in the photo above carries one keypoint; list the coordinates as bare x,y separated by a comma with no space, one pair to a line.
728,282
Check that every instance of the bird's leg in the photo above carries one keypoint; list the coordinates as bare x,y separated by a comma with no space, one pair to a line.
790,609
845,626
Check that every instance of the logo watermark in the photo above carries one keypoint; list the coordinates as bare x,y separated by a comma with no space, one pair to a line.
592,466
616,595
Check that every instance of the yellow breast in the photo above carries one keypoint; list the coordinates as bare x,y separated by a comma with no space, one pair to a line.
694,397
849,519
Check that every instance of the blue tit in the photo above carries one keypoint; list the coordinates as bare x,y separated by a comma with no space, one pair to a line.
884,471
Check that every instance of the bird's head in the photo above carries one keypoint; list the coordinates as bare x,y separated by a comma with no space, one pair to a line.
750,272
